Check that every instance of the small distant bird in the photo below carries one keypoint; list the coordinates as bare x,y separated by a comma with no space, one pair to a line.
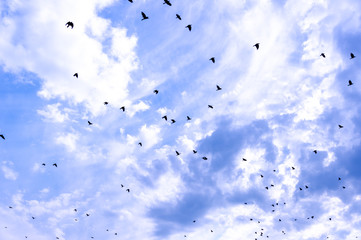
343,187
315,151
350,83
300,189
75,210
194,221
194,151
140,144
279,220
330,219
211,230
90,123
204,158
165,117
55,165
274,170
293,168
106,103
210,106
121,185
266,188
2,136
340,126
76,75
244,159
218,88
339,179
323,55
122,108
69,24
352,56
261,176
130,1
128,190
178,17
272,185
256,45
177,153
188,118
167,2
189,27
87,214
212,59
306,186
172,120
33,217
156,91
144,16
43,164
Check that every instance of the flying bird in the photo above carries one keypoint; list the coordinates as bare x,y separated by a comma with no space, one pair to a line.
167,2
172,120
293,168
212,59
140,144
75,210
194,151
106,103
89,123
2,136
188,118
244,159
194,221
87,214
339,179
122,108
315,151
144,16
165,117
76,75
43,164
130,1
189,27
177,153
210,106
323,55
218,88
69,24
128,190
256,45
55,165
204,158
352,56
156,91
340,126
350,83
33,217
178,17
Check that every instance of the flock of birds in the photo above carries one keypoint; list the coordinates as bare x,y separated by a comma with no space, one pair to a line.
262,231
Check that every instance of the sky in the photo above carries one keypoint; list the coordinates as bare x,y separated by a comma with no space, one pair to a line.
274,107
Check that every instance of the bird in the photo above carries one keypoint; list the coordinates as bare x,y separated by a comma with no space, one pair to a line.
69,24
76,75
315,151
106,103
87,214
55,165
194,151
323,55
211,230
306,186
33,217
121,185
172,120
189,27
204,158
130,1
122,108
244,159
352,55
261,176
256,45
89,123
212,59
2,136
43,164
156,91
178,17
167,2
218,88
210,106
177,153
165,117
343,187
266,188
293,168
339,179
194,221
144,16
350,83
140,144
10,207
340,126
189,118
300,189
128,190
75,210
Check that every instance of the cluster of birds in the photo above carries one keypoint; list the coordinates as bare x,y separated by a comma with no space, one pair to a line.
262,231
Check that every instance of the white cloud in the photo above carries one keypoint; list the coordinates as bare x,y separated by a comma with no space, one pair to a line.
9,173
53,114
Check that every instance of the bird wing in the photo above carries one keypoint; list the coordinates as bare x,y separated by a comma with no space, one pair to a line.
143,14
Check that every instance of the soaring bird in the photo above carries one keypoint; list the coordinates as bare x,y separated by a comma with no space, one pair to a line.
210,106
315,151
75,210
130,1
177,153
76,75
172,120
156,91
128,190
121,185
89,123
189,27
194,221
293,168
306,186
194,151
350,83
323,55
256,45
339,179
55,165
340,126
212,59
144,16
167,2
43,164
140,144
69,24
177,16
165,117
33,217
218,88
188,118
204,158
87,214
122,108
352,56
261,176
106,103
245,160
2,136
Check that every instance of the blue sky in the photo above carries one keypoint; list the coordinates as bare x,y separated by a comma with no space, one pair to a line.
277,105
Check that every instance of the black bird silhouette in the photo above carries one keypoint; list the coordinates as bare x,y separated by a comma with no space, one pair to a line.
212,59
188,118
76,75
189,27
75,210
87,214
10,207
177,16
293,168
352,56
350,83
306,186
266,188
244,159
43,164
121,185
177,153
69,24
140,144
90,123
194,151
156,91
130,1
172,120
256,45
211,230
194,221
204,158
128,190
340,126
261,176
323,55
55,165
106,103
33,217
210,106
300,189
315,151
144,16
218,88
167,2
2,136
165,117
343,187
339,179
122,108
